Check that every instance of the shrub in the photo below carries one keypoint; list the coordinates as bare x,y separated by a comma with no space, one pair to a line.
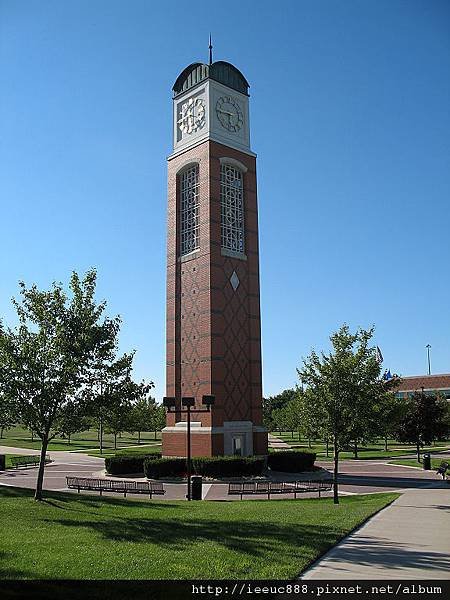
164,467
228,466
216,466
126,464
292,461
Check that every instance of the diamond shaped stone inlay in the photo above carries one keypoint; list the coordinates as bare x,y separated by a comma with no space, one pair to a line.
234,280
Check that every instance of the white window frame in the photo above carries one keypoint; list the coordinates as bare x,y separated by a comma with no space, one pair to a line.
232,223
189,210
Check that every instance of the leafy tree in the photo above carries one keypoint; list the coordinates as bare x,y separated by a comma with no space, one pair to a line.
8,415
119,394
342,381
158,419
105,376
45,359
72,420
143,415
425,419
312,419
274,403
390,411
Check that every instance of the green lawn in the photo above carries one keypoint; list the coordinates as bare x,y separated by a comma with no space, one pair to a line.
412,462
72,536
21,438
373,451
142,449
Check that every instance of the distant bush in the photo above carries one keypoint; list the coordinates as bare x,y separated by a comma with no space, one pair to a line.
216,466
127,464
292,461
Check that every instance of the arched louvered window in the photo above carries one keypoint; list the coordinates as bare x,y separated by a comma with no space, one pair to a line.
189,210
232,208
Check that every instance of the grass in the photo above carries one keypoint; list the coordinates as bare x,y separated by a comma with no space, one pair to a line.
86,537
142,449
373,451
412,462
19,437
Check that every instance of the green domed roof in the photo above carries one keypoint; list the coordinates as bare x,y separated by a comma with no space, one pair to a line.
220,71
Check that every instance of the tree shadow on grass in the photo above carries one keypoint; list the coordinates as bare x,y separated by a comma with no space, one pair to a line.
11,573
58,499
248,537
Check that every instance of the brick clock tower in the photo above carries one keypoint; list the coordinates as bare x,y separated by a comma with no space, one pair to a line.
213,314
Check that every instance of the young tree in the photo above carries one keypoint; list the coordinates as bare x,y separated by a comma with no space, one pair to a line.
275,403
123,393
142,415
72,420
425,419
342,381
45,359
390,411
158,419
312,419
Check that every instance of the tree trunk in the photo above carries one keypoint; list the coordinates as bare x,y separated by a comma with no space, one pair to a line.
32,436
40,477
298,435
139,437
418,452
1,433
336,472
155,435
328,447
115,441
385,443
355,450
292,434
68,439
100,435
309,442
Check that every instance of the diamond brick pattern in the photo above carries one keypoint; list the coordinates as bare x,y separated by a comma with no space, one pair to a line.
213,318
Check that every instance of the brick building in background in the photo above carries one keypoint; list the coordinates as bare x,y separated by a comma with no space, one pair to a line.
431,384
213,313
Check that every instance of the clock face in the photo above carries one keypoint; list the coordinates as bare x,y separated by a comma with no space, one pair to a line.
192,115
229,113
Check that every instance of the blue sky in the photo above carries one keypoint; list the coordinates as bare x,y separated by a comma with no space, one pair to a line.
350,118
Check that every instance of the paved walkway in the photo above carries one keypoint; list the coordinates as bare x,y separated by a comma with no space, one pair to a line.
356,477
408,540
277,443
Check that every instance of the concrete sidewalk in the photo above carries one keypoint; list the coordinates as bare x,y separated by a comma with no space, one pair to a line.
408,540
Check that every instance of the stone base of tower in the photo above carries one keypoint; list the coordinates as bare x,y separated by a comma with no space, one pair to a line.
235,437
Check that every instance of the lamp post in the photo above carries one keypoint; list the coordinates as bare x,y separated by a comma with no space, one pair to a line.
188,402
429,364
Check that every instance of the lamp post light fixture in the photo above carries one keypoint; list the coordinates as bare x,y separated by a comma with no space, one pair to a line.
429,364
169,402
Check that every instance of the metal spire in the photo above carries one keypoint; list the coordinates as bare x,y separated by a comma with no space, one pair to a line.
210,50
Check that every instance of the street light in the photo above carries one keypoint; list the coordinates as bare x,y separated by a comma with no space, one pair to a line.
188,402
429,364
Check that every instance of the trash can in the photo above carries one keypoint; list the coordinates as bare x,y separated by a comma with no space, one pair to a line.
196,487
2,462
427,461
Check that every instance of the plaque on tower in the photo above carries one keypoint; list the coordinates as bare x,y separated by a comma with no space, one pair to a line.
213,310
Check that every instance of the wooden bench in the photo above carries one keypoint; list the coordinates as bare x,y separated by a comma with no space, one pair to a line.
112,485
28,460
442,470
242,488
